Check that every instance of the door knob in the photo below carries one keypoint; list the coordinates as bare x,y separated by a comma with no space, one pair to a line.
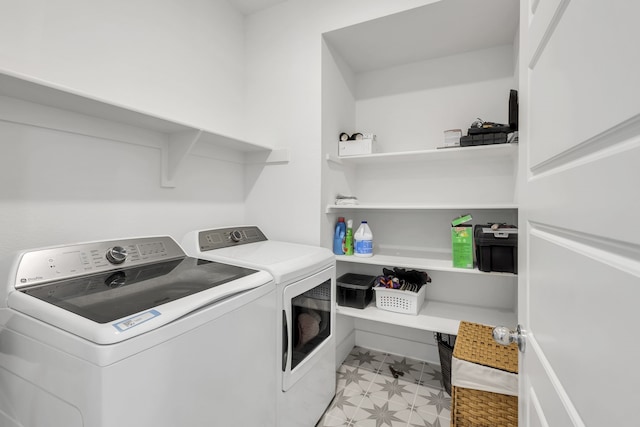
504,336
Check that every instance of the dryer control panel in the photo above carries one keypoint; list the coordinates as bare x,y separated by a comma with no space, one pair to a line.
231,236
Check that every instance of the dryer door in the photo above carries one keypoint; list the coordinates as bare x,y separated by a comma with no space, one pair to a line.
308,321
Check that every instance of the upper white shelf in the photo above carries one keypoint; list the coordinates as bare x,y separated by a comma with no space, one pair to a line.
435,316
420,207
479,153
44,104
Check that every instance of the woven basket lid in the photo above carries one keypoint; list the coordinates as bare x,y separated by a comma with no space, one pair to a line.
475,344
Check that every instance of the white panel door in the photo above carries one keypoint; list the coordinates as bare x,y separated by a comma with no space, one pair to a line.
579,189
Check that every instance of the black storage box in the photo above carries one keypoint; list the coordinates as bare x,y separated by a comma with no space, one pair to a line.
483,139
355,290
446,343
496,250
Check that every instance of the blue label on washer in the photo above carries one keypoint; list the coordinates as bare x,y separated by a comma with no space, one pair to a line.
136,320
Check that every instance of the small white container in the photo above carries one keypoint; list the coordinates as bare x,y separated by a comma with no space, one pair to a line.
452,137
356,147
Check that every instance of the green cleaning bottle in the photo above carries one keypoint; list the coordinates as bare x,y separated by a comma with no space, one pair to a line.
348,239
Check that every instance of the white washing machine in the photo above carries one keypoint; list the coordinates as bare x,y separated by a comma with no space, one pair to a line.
134,333
305,282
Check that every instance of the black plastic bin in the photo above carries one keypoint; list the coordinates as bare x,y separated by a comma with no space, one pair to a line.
496,250
355,290
446,343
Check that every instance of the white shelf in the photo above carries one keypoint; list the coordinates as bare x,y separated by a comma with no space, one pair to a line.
434,316
416,263
479,153
31,101
419,207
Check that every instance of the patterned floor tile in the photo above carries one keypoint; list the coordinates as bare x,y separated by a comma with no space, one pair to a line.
418,419
363,358
379,413
329,421
354,378
408,369
367,394
344,404
392,389
431,376
432,401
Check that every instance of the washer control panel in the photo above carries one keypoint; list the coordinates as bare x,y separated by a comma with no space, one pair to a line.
226,237
63,262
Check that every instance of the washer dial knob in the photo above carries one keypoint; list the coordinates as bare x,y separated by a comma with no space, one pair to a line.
116,255
236,235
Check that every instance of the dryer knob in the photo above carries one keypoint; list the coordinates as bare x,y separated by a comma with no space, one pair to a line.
236,235
116,255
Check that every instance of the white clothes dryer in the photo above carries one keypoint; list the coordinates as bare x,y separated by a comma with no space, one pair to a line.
305,279
134,333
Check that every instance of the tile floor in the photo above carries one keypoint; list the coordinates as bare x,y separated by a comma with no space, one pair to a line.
367,394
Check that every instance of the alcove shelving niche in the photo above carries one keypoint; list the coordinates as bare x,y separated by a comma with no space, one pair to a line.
407,78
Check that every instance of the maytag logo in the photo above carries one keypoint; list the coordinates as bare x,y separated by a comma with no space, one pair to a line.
30,279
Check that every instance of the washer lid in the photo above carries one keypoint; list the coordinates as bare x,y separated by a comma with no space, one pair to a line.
117,294
285,261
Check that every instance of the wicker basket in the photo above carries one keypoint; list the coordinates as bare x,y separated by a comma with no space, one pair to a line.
482,408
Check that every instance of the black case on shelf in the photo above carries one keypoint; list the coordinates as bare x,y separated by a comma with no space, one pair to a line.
489,130
483,139
494,133
496,250
355,290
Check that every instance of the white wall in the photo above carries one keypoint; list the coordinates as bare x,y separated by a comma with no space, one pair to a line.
180,60
338,115
190,62
284,101
61,188
409,107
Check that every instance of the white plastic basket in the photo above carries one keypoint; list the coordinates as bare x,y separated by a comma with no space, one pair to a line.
398,301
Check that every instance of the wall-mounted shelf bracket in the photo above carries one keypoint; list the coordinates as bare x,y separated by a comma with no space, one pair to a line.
174,151
275,156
